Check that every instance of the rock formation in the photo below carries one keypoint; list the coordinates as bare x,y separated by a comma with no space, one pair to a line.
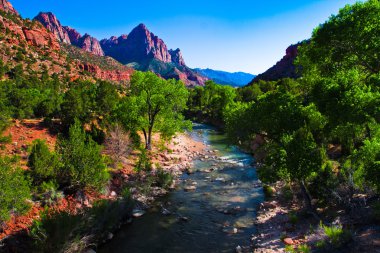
283,69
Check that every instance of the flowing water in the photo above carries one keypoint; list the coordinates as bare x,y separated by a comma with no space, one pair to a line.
216,217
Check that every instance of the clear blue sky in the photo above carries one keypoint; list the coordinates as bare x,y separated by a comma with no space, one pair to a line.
231,35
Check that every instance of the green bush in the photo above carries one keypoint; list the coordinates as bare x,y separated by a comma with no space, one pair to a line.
48,193
83,165
164,179
144,163
43,164
15,190
337,235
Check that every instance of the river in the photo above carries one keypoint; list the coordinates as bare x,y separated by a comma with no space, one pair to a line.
217,217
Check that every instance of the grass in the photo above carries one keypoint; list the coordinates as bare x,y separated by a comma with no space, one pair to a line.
337,237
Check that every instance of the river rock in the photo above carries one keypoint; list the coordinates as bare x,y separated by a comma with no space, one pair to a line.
190,188
238,249
138,213
165,211
230,230
288,241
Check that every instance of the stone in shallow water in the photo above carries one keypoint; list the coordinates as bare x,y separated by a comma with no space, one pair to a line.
230,230
190,188
138,213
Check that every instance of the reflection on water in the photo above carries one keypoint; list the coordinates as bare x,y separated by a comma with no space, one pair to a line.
216,217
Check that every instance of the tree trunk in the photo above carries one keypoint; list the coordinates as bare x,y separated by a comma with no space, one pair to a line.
149,142
146,139
307,199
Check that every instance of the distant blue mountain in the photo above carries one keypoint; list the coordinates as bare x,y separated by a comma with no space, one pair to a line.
236,79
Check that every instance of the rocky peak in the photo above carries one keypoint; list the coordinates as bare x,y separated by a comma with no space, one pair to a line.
74,35
50,21
7,7
143,44
177,57
90,44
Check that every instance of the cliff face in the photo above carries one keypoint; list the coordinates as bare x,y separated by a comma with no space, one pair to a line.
69,35
90,44
176,56
7,7
53,25
285,68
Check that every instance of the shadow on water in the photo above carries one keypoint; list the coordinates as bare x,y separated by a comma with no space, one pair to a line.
216,217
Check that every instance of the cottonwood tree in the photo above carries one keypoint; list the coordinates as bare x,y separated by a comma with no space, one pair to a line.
155,105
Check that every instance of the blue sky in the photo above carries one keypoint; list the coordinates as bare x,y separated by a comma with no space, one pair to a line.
240,35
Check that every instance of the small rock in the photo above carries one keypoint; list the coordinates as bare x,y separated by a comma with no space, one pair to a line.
190,188
230,230
113,194
288,241
183,218
165,211
238,249
109,236
138,213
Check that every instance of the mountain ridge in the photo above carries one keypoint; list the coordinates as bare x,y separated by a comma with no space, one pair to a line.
236,79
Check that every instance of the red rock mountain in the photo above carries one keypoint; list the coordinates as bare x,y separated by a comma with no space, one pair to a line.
7,7
145,51
51,23
283,68
69,35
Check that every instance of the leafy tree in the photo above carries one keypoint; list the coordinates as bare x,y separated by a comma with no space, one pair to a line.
155,104
83,165
14,190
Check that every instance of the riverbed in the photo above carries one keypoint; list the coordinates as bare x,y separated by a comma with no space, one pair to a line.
213,208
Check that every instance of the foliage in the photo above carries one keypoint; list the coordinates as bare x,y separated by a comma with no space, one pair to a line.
209,102
164,179
65,232
43,164
144,163
15,190
155,105
82,163
337,235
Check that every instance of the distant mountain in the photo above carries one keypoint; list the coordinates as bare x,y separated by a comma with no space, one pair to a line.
144,51
226,78
283,68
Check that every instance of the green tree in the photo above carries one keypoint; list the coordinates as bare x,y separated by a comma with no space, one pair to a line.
155,105
15,190
43,164
83,165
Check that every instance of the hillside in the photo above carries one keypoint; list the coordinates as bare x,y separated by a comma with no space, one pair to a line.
282,69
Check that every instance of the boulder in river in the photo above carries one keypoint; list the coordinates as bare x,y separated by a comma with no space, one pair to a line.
190,188
138,213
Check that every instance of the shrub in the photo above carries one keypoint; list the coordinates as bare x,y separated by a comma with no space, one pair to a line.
337,235
118,143
48,193
15,190
43,164
164,179
268,191
83,164
144,163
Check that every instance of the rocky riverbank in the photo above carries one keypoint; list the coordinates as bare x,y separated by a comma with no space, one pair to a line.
283,225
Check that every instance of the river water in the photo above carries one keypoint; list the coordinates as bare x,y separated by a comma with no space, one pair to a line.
217,217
